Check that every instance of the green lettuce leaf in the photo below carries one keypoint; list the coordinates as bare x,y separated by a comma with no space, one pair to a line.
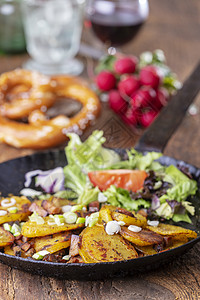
66,194
136,160
121,198
90,155
182,185
75,179
182,190
181,218
86,156
88,196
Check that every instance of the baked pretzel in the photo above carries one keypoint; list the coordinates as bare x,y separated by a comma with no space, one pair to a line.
41,132
22,91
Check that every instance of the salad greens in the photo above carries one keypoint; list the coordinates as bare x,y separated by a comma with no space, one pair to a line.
86,156
164,194
121,198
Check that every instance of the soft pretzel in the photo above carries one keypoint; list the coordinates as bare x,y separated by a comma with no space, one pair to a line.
22,91
40,132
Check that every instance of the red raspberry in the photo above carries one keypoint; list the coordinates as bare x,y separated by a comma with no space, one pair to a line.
147,118
105,81
125,65
149,77
128,85
143,98
116,102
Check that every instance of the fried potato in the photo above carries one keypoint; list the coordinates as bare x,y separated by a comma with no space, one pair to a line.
9,250
97,246
142,238
32,229
135,219
176,244
53,243
146,250
105,214
21,203
172,230
6,238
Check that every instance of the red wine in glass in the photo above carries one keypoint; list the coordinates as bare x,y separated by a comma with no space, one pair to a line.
116,23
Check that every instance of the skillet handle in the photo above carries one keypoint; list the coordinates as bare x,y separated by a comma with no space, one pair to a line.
157,135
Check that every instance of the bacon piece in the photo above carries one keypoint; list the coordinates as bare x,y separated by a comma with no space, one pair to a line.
94,206
50,208
142,212
55,257
25,247
167,241
24,239
124,211
76,259
30,252
36,208
74,248
18,242
17,250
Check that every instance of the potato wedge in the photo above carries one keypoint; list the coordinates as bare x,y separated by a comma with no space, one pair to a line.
135,219
53,243
6,238
172,230
142,238
97,246
21,203
32,229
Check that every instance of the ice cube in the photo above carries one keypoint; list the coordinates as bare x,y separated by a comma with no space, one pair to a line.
58,12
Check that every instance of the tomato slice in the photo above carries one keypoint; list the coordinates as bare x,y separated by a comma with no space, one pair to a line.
131,180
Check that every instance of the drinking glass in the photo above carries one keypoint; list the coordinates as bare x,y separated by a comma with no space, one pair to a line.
116,22
11,28
53,32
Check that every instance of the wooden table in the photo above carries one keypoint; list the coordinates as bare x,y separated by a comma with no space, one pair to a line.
173,26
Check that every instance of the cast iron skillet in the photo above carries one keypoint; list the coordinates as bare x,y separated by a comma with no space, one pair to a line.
12,179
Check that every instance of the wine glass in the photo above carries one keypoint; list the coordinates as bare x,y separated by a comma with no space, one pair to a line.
116,22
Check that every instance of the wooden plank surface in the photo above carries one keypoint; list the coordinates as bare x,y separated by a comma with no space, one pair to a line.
173,26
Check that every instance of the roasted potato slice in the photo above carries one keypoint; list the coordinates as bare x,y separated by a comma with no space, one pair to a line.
134,219
6,238
105,214
32,229
53,243
146,250
172,230
176,244
20,203
9,250
97,246
142,238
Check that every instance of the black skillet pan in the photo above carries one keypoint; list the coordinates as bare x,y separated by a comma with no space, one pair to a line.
12,179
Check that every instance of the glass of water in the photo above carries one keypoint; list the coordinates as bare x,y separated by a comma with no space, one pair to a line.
53,32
